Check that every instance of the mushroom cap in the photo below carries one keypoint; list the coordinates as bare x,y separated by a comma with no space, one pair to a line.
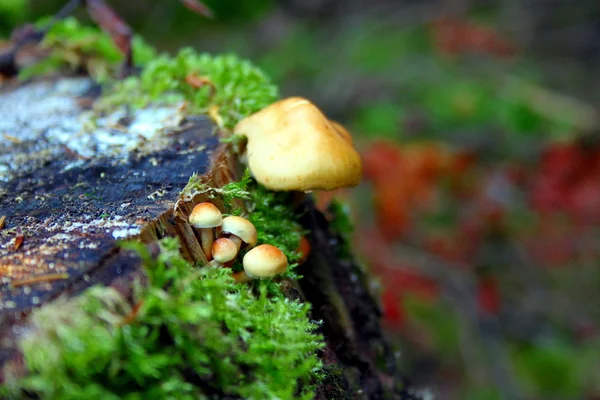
224,250
342,131
241,228
205,215
293,146
264,261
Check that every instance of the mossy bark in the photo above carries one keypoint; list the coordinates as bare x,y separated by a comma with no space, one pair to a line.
72,196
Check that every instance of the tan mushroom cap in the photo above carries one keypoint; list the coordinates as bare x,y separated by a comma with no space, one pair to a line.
293,146
265,261
224,250
241,228
342,131
205,215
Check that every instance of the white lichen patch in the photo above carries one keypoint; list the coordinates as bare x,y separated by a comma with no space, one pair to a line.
43,121
125,233
99,225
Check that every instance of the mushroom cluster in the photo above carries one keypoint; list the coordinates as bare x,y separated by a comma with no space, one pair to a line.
234,233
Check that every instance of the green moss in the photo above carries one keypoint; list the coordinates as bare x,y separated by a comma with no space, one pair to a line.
197,334
73,46
275,222
233,88
228,87
332,383
227,193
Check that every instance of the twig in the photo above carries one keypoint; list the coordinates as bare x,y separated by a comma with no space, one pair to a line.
39,279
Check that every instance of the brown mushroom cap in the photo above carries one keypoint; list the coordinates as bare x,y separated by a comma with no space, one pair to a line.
293,146
205,215
224,250
264,261
241,228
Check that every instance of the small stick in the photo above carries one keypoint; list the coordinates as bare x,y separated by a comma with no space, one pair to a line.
39,279
130,317
18,242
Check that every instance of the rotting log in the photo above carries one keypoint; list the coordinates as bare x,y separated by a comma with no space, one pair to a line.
74,183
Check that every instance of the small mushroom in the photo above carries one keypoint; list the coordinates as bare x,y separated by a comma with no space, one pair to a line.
264,261
206,216
240,230
292,146
223,251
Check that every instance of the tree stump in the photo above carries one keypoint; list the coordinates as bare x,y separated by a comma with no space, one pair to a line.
74,183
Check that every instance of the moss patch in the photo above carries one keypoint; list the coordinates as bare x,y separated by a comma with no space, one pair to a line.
96,346
226,87
72,47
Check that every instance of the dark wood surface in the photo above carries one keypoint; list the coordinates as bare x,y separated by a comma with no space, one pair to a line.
71,209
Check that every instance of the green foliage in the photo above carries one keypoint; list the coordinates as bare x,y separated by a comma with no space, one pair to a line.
12,12
380,119
73,46
196,334
438,320
555,368
234,10
233,86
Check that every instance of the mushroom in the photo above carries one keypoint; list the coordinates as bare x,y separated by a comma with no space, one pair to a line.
264,261
206,216
292,146
240,230
223,251
342,131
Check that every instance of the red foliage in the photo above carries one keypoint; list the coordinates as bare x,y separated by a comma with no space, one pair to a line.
393,312
488,296
561,206
403,179
568,181
453,36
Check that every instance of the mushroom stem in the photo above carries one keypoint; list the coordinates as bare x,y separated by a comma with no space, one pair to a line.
214,263
206,238
241,277
237,240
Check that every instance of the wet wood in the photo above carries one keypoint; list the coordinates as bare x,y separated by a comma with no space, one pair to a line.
70,191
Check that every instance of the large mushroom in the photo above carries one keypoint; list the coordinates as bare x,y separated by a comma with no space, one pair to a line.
292,146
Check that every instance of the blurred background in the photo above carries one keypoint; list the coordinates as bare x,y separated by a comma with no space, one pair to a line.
479,213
